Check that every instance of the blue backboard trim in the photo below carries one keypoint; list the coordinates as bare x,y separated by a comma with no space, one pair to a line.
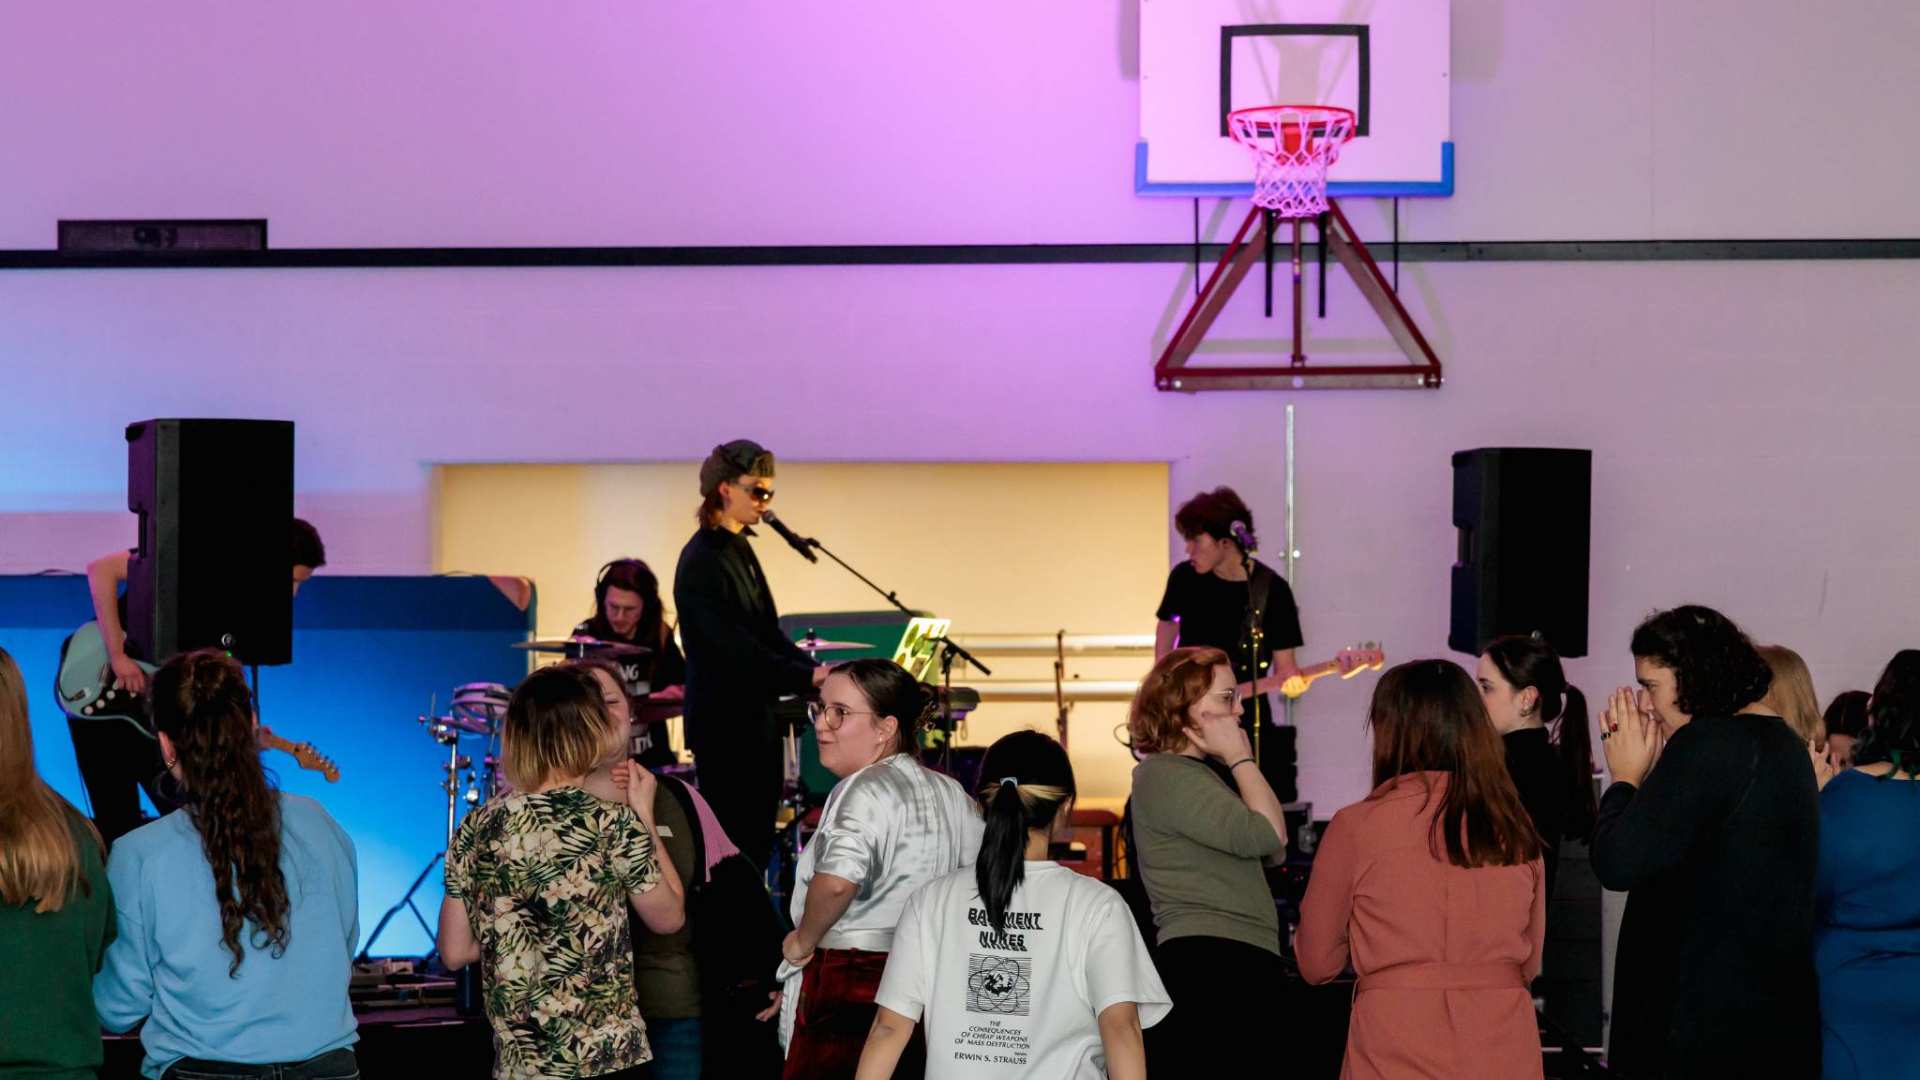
1339,189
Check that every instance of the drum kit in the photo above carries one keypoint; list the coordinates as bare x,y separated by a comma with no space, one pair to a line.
471,728
474,770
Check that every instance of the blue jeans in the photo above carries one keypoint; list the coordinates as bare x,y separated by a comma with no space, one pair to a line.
676,1048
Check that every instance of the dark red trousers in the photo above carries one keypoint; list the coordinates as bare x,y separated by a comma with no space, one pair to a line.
836,1010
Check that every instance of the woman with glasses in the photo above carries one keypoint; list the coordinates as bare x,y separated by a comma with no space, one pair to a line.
739,663
1200,846
890,826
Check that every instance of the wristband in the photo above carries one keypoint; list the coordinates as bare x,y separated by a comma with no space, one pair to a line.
1239,763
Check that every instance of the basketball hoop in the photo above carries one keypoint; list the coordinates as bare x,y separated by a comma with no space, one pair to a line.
1292,146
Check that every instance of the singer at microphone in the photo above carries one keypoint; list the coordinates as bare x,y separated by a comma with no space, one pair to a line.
800,544
739,663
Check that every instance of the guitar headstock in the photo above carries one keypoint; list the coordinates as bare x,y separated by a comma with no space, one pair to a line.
302,753
1365,656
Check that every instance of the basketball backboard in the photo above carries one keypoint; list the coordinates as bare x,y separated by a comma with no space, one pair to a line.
1387,60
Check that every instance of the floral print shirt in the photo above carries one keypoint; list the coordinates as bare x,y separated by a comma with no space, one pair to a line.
545,879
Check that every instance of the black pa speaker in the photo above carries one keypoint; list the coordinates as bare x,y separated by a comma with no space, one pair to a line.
1523,515
214,566
1280,760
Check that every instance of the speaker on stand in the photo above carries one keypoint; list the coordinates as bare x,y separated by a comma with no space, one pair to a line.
214,562
1523,515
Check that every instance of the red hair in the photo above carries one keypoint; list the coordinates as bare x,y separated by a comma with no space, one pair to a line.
1158,720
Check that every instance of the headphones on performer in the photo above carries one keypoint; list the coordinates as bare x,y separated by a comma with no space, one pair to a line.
641,571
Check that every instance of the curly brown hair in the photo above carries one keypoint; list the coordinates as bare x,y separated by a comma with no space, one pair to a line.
1157,722
201,703
1212,513
1716,669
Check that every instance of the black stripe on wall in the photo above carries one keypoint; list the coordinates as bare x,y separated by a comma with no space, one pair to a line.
952,255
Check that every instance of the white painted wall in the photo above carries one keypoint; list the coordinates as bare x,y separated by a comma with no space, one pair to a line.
363,123
1753,424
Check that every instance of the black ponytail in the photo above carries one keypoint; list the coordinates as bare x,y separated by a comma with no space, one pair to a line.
1024,781
1575,741
1529,661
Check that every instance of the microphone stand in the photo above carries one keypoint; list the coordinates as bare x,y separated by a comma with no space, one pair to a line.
950,650
1255,635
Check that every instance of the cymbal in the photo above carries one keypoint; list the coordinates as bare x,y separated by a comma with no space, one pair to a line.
583,646
814,644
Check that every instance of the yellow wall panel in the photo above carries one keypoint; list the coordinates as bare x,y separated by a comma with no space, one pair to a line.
999,548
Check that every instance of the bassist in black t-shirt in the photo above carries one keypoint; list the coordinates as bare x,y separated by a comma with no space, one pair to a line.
1209,595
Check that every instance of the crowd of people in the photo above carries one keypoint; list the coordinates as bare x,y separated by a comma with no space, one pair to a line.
623,927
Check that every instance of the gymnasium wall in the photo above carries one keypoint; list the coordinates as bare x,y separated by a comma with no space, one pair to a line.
864,122
1751,420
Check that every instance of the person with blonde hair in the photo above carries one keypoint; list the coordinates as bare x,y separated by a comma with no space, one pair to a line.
56,911
1790,696
538,884
1200,842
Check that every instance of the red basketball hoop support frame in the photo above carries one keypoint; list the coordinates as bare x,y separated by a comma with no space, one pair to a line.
1174,372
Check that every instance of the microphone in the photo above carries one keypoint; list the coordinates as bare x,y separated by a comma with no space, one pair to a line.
1244,537
800,544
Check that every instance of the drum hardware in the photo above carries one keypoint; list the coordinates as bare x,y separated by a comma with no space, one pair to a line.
581,647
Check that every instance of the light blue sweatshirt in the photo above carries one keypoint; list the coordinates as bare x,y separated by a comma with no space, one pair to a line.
169,967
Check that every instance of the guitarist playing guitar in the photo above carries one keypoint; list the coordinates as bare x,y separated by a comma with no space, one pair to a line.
1210,598
117,758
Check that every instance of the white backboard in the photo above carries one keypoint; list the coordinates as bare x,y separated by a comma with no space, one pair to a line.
1388,60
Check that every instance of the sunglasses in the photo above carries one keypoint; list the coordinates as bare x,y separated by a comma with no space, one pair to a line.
758,493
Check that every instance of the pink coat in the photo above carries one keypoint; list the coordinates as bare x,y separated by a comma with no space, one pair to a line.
1444,954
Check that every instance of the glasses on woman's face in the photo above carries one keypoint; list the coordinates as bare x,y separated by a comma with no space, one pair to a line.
758,493
828,716
1228,699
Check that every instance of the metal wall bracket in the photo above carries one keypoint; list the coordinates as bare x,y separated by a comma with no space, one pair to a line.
1173,372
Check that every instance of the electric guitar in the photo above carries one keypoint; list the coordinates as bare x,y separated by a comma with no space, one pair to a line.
88,691
87,686
303,753
1347,663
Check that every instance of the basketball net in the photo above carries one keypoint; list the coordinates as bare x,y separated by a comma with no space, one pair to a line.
1292,147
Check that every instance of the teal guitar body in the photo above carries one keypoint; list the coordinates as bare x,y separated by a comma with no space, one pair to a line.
87,687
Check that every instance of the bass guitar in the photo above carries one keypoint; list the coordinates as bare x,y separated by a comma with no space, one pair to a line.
87,686
89,691
1347,663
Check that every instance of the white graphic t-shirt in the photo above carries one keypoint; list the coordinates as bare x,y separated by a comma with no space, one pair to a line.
1024,1001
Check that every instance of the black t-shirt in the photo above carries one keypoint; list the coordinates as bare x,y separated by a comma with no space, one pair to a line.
1213,611
643,675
